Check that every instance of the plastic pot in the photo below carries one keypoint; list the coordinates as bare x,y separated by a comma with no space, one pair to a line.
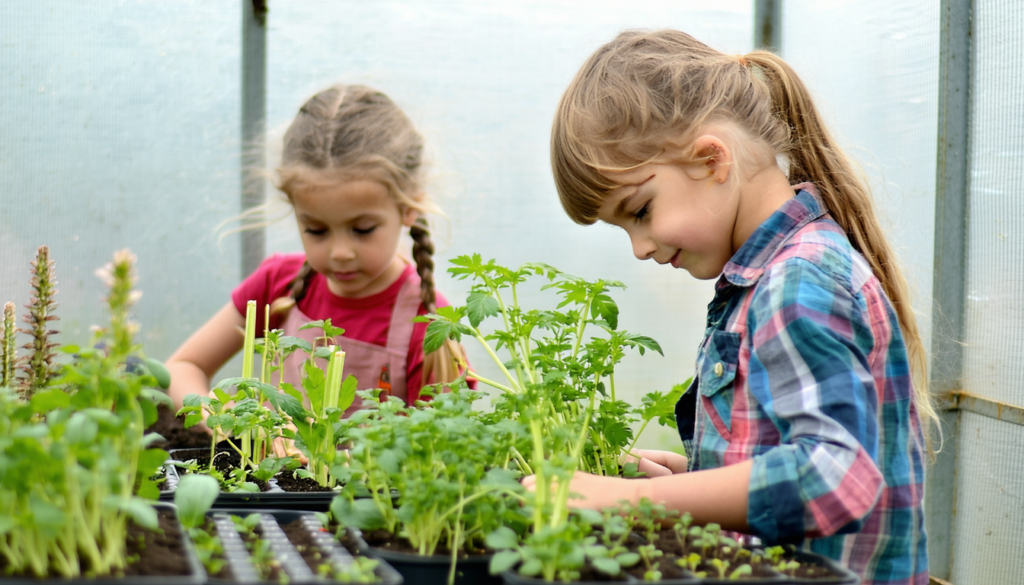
434,569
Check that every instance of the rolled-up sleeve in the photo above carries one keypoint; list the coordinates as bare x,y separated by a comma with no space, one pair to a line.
810,371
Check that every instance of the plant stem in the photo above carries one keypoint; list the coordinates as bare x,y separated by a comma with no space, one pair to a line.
479,337
473,374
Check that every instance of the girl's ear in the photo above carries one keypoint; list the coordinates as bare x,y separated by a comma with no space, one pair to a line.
716,156
409,216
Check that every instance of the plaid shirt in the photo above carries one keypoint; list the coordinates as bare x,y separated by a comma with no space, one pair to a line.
803,369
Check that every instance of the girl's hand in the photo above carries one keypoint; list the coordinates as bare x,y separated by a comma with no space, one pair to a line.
656,463
284,447
598,491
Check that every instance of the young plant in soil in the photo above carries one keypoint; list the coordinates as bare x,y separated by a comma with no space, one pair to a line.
569,353
194,497
74,454
445,461
247,427
317,433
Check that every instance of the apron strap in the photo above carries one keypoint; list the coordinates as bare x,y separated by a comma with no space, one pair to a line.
407,306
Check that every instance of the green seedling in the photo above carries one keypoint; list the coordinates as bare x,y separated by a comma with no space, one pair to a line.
360,570
649,553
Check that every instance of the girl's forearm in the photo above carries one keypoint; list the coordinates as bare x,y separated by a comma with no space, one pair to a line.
711,495
186,378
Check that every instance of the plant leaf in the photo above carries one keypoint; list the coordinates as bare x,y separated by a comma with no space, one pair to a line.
502,538
193,497
503,561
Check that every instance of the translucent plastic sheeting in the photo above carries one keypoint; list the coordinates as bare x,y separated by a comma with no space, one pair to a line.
988,524
119,129
872,66
994,321
481,80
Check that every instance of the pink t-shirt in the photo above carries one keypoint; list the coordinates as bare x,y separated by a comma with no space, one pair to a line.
366,319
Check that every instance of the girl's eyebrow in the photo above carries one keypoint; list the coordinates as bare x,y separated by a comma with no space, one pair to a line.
620,209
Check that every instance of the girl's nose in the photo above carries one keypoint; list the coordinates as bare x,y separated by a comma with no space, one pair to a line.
341,250
643,247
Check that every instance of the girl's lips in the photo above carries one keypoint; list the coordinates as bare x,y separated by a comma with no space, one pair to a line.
675,259
343,276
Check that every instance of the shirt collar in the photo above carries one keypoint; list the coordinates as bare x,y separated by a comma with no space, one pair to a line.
749,262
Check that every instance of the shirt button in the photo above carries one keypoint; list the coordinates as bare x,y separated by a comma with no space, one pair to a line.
719,369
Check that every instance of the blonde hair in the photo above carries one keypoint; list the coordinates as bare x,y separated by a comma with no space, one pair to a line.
354,131
645,92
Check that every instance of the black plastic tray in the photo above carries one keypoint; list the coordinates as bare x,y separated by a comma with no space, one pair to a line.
198,572
433,570
292,562
274,498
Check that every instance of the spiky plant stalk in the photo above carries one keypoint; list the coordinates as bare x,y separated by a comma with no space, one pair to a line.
7,348
39,367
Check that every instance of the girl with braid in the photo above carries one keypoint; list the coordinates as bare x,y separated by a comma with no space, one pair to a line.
351,170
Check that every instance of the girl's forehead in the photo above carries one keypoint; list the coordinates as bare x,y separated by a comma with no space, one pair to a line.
343,198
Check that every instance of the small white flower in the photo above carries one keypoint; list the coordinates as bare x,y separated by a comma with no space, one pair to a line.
106,274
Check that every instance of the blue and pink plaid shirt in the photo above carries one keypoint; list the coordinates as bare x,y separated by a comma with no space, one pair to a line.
803,369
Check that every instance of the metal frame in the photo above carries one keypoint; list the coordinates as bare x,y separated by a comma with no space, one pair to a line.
949,273
768,25
254,118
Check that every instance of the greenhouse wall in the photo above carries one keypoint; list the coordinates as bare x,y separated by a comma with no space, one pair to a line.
120,127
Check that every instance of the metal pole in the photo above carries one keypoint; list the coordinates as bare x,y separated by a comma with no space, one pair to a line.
768,25
948,289
254,115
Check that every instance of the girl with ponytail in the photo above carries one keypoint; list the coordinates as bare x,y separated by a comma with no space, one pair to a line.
807,418
351,169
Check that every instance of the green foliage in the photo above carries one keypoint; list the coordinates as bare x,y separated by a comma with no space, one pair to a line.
567,354
194,496
74,462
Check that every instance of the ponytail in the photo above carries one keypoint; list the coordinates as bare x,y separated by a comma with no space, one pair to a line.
647,91
443,363
814,157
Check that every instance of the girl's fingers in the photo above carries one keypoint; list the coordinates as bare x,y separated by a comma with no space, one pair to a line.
529,482
675,462
652,469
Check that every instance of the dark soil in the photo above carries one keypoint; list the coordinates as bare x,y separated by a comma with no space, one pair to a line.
667,542
311,553
224,462
287,481
149,553
159,553
172,428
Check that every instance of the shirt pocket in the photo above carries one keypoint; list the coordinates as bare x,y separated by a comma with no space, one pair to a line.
717,374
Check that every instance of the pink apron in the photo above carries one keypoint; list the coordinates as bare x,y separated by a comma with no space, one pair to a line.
373,366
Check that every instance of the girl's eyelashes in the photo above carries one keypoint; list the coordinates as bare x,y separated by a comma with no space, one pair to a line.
641,213
364,231
316,232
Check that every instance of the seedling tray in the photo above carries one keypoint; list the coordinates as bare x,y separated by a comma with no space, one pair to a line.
292,563
274,498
